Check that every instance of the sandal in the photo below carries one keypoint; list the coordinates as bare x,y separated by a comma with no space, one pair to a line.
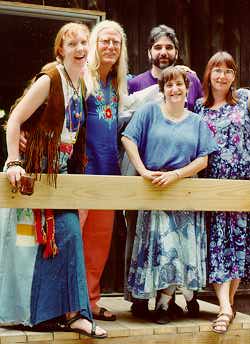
65,326
222,322
101,315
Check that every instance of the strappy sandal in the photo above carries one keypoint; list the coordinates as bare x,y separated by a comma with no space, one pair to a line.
222,322
101,315
65,326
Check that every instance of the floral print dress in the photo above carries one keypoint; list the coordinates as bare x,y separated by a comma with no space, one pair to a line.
229,232
170,247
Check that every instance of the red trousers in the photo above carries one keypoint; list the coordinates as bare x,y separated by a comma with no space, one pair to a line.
97,230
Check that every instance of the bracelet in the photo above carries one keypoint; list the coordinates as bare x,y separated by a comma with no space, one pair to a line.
14,163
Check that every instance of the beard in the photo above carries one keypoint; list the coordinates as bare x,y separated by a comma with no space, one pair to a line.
162,65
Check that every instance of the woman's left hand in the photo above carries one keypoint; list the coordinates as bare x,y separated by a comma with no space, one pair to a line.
165,179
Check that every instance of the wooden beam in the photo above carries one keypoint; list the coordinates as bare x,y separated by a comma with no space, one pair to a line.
16,7
116,192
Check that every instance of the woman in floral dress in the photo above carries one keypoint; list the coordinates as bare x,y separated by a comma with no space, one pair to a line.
226,112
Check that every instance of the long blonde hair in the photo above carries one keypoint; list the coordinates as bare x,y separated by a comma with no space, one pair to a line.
119,70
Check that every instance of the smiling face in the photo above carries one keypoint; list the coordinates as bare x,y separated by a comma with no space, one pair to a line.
163,53
109,47
74,49
221,78
175,90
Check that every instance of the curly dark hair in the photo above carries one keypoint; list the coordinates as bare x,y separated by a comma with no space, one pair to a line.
161,31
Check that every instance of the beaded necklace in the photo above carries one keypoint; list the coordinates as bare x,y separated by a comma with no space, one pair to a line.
75,108
75,90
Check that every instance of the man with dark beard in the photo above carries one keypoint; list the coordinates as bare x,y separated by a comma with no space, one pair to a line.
163,51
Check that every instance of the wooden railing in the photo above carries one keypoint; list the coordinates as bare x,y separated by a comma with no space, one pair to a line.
116,192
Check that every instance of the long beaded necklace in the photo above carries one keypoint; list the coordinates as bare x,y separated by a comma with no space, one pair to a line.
77,90
75,114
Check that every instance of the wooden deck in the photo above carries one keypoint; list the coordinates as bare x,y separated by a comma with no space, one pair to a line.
129,330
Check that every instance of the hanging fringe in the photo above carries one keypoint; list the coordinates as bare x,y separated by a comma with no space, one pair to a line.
41,236
45,235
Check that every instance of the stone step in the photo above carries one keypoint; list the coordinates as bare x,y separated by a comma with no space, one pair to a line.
130,330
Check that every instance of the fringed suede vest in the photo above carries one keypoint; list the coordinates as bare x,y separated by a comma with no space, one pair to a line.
44,129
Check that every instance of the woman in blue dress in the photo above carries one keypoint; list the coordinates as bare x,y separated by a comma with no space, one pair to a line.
165,143
226,112
44,283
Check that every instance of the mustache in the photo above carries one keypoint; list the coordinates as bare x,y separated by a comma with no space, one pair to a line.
156,61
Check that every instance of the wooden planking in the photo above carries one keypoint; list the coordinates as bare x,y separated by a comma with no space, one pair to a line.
244,41
116,192
13,336
39,336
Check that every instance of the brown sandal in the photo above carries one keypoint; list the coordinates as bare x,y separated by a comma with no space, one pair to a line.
101,315
222,322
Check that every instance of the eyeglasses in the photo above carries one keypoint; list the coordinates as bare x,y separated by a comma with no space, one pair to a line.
228,72
106,43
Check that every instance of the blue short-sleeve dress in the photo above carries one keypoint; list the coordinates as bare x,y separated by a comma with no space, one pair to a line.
170,246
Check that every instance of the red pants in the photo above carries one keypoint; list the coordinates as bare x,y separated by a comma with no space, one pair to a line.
97,228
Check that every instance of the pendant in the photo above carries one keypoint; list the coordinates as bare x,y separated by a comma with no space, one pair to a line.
108,113
75,96
77,115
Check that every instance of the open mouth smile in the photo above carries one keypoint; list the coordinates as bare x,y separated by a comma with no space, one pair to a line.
80,58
